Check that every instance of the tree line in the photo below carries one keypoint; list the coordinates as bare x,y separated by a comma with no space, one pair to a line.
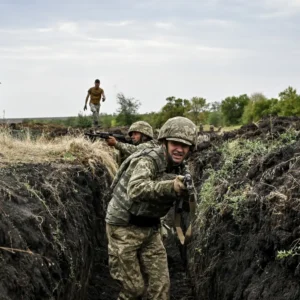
233,110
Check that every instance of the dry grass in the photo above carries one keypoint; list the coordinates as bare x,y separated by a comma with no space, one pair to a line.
62,149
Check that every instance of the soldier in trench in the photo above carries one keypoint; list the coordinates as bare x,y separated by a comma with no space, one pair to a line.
142,137
142,194
95,93
141,134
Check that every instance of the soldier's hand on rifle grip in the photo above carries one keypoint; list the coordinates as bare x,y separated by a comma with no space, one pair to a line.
111,141
179,186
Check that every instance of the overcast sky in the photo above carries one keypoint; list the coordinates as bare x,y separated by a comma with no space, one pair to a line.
51,51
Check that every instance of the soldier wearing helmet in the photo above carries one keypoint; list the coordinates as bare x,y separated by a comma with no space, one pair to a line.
141,134
147,185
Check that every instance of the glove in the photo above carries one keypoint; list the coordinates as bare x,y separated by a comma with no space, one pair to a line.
179,186
103,99
85,108
111,141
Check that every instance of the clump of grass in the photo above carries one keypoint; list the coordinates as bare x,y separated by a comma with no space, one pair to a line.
294,251
237,157
62,149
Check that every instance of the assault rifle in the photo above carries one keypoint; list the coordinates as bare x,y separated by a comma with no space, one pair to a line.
105,135
188,182
184,238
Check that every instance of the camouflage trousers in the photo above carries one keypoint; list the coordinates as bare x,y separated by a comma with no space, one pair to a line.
95,109
137,258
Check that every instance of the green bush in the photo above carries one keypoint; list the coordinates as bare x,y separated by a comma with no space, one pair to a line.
233,108
258,107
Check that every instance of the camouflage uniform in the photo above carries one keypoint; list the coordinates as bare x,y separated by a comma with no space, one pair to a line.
127,267
95,109
128,149
142,127
142,193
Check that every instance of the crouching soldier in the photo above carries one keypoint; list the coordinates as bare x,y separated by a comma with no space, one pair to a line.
141,134
142,194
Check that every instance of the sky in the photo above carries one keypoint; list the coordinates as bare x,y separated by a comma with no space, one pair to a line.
52,51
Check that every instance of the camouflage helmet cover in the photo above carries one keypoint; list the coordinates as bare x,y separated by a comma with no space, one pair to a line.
179,129
142,127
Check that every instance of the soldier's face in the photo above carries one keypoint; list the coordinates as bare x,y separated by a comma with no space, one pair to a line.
136,137
178,151
97,85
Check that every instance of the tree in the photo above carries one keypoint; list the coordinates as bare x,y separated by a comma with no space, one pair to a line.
251,112
289,103
215,116
197,108
175,107
232,109
128,110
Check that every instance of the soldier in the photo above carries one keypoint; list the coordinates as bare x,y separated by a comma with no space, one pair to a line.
141,134
95,94
147,185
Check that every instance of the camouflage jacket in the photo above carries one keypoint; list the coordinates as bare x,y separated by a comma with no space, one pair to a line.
127,149
143,187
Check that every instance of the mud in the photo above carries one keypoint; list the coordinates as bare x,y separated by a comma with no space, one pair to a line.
49,232
255,214
52,231
52,235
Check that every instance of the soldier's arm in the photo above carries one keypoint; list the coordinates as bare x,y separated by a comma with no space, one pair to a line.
103,96
87,97
126,149
143,187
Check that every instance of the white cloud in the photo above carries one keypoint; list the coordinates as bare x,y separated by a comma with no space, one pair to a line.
49,29
119,24
163,25
280,8
213,22
79,41
64,58
68,27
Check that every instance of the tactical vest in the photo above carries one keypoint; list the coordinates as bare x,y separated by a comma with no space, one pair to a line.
123,208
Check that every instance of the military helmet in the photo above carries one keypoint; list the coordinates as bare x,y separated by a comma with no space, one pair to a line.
142,127
179,129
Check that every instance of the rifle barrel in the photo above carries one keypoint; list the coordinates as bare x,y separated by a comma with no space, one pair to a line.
105,135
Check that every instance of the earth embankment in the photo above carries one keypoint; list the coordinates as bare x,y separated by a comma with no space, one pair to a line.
246,234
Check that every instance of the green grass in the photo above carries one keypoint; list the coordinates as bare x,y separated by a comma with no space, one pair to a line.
243,152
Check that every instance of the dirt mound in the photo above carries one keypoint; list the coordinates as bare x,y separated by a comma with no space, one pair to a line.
52,232
269,127
246,236
50,215
53,197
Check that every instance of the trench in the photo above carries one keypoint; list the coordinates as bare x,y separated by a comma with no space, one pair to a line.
245,243
52,235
